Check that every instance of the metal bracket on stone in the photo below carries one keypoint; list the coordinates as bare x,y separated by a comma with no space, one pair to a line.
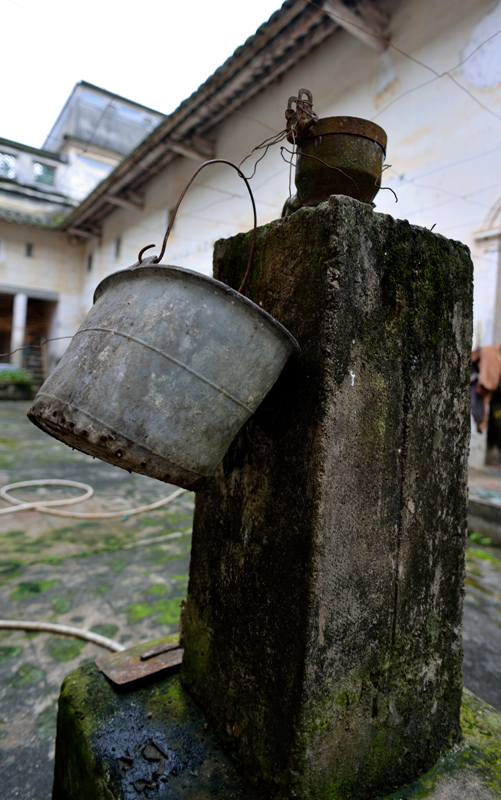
140,661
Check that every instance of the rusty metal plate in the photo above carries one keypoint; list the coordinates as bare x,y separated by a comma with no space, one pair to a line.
140,661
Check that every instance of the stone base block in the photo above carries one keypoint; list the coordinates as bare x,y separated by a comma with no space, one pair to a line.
150,741
144,740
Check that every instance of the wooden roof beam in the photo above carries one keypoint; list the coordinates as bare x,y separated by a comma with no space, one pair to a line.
123,202
356,25
380,19
82,234
200,153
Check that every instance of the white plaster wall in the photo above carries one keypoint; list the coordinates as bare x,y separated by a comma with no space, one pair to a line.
444,150
429,131
56,267
484,294
87,166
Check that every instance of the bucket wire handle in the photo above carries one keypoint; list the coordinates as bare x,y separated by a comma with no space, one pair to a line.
157,259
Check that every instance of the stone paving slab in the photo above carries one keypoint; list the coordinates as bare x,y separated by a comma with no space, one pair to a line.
122,578
482,623
484,503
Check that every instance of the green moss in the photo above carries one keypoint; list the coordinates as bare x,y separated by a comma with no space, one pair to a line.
10,570
417,279
474,551
196,661
170,698
104,587
376,756
32,588
64,648
105,629
183,577
9,652
118,565
480,753
61,604
479,539
45,723
169,610
26,674
138,611
158,588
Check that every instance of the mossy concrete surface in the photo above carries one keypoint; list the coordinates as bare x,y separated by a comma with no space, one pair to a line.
323,623
472,769
146,739
150,740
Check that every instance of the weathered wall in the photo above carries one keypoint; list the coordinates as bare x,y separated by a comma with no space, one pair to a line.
54,269
323,619
442,145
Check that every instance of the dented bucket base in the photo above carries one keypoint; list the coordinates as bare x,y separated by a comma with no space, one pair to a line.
84,432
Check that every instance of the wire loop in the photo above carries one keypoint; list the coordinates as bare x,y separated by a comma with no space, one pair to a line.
157,259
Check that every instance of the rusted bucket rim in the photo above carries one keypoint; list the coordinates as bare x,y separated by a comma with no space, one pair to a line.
354,126
148,268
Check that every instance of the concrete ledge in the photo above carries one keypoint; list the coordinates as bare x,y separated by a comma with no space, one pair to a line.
485,517
151,741
472,770
15,391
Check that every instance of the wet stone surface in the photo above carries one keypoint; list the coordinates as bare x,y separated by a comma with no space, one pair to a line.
123,578
482,623
129,593
148,740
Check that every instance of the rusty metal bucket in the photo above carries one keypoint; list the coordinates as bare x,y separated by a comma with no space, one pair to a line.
356,147
166,368
334,155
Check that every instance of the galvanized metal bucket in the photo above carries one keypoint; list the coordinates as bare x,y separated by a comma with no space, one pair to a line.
166,368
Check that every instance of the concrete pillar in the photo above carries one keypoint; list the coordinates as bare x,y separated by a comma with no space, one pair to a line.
19,312
323,622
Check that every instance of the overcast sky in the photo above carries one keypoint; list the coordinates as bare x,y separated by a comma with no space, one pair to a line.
156,52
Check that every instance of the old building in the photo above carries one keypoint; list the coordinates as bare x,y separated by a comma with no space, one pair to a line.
428,73
40,267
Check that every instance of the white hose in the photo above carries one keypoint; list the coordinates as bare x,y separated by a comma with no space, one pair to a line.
45,506
69,630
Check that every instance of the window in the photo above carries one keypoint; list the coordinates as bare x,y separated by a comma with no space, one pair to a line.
29,249
117,246
90,259
7,165
44,174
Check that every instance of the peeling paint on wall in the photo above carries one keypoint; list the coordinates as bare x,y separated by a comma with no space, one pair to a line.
483,69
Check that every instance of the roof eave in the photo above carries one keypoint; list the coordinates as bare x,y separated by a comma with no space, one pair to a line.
290,33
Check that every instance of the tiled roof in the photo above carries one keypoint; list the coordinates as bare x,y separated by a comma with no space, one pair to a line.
42,220
289,35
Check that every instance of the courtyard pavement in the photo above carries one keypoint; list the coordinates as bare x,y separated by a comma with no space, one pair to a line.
124,578
99,575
